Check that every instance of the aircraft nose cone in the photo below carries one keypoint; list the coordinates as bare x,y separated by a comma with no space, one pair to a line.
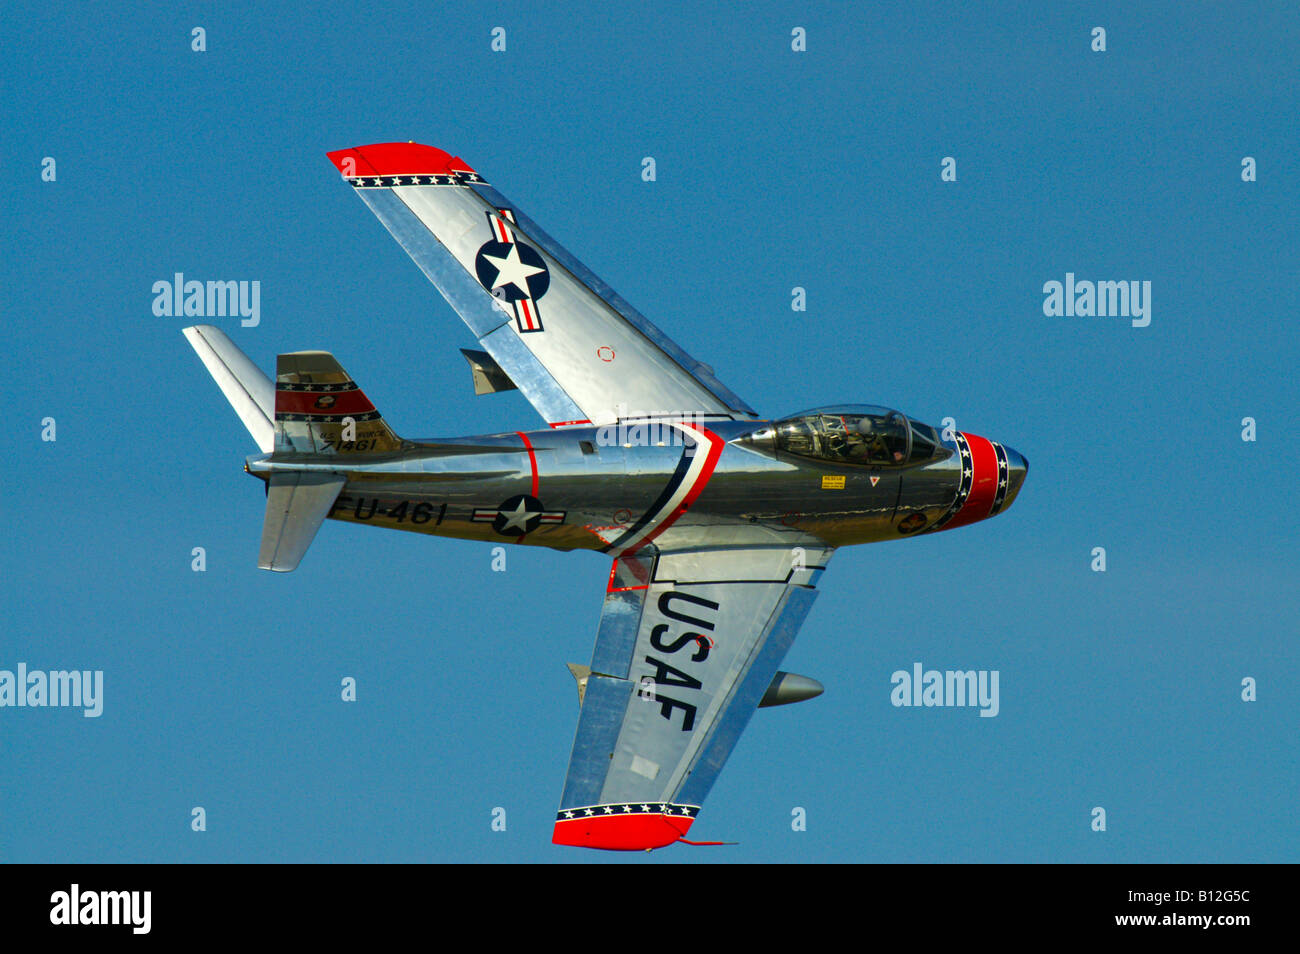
1017,468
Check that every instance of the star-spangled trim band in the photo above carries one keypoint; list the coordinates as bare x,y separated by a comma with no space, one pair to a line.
627,808
460,178
1003,478
963,489
326,418
333,388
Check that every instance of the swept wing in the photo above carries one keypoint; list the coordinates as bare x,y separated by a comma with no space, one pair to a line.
688,644
576,350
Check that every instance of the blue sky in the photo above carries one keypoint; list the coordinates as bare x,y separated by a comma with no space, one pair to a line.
776,169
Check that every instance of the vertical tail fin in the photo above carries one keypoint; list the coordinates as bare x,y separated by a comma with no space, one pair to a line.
319,410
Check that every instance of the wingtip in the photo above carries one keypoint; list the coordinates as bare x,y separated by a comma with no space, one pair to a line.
396,158
619,828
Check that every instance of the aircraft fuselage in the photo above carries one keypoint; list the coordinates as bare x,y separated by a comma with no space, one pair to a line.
613,488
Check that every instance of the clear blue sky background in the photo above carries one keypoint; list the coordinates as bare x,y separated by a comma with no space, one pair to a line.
775,169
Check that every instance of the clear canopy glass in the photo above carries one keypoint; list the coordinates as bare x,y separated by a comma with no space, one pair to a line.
857,434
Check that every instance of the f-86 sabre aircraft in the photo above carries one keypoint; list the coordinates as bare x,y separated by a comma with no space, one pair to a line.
719,522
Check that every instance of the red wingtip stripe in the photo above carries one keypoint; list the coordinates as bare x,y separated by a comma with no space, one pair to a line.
638,832
396,158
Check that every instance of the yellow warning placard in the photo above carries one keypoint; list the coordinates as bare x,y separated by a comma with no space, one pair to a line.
832,482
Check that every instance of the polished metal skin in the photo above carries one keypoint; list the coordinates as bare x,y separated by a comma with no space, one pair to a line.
719,524
757,495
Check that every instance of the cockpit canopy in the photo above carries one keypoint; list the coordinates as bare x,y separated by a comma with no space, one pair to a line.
858,434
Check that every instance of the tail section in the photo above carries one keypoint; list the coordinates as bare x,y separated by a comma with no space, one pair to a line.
314,410
319,410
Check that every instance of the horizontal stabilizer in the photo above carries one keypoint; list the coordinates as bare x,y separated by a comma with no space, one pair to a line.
297,503
249,391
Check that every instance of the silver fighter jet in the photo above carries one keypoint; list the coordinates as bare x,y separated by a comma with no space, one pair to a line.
718,522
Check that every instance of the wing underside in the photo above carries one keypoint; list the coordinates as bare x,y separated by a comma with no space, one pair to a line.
573,347
687,646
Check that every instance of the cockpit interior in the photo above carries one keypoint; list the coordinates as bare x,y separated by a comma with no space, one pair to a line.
858,434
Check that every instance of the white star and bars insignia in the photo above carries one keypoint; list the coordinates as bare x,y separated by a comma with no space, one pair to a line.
513,272
518,515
